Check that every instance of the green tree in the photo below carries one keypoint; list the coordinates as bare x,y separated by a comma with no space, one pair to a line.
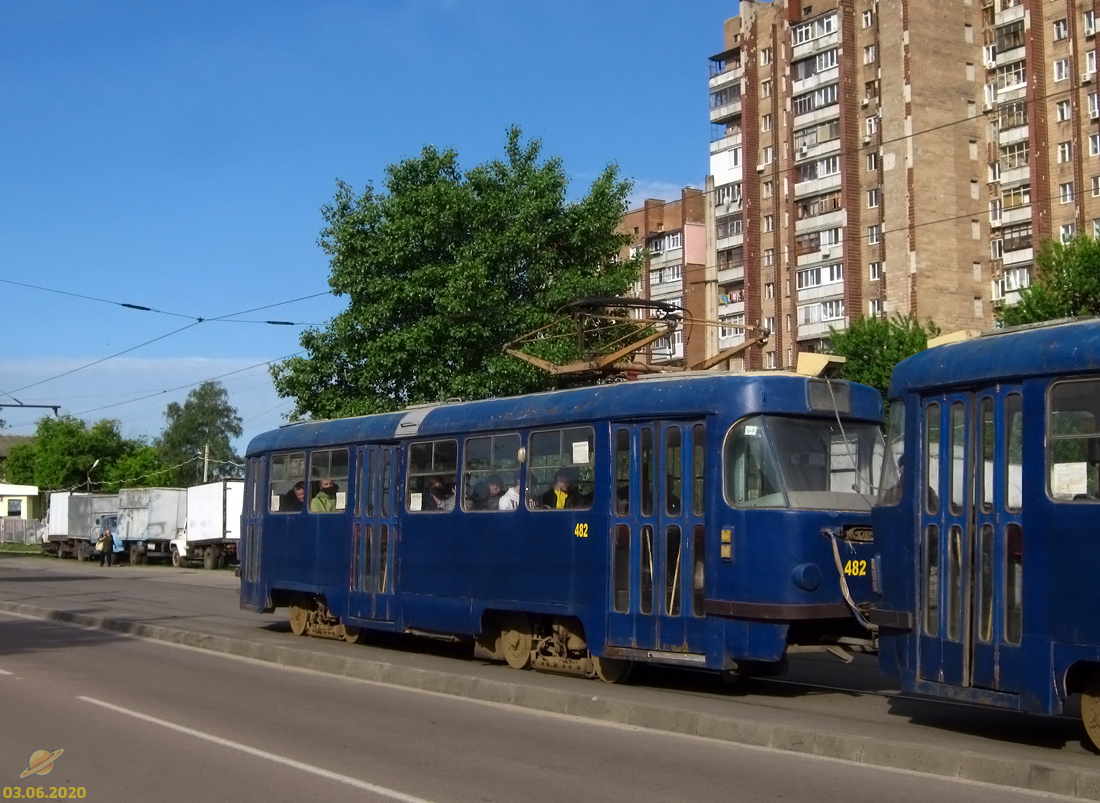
444,268
65,454
872,347
139,468
206,418
1067,284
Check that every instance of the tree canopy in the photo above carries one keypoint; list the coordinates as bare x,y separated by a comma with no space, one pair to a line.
206,418
65,452
442,269
872,347
1066,284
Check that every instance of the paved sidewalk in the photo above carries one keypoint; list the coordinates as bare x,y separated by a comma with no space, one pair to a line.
857,720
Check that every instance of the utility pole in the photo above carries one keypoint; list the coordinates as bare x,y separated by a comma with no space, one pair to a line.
206,463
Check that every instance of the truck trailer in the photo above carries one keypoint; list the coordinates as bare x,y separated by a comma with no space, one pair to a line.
213,525
149,519
74,522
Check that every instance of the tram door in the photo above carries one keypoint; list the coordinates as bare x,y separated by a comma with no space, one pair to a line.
255,507
656,524
969,536
373,534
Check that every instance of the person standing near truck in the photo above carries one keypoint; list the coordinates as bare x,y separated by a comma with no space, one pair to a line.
105,546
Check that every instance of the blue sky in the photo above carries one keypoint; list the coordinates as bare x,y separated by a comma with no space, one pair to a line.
177,156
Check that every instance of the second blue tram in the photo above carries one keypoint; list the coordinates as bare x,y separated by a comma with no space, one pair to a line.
710,521
987,521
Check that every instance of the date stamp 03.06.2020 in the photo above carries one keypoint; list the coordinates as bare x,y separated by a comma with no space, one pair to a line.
41,763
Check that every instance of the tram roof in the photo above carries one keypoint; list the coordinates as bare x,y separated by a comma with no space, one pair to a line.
1056,348
665,396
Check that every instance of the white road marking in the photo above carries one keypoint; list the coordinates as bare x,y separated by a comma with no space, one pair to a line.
382,791
2,672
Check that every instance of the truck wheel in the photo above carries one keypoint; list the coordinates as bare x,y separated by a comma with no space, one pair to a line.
210,558
178,560
83,552
136,555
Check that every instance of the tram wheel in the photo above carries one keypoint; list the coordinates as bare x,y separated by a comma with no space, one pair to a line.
1090,708
352,634
515,640
612,670
299,616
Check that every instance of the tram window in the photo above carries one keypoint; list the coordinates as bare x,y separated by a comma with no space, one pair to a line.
387,479
328,480
954,582
985,578
287,482
360,473
750,474
1014,583
648,472
561,473
620,568
370,491
825,465
622,472
368,545
490,470
645,586
699,470
829,397
1073,441
931,580
1014,452
356,557
433,469
674,471
988,440
698,569
958,457
889,491
932,458
383,557
673,570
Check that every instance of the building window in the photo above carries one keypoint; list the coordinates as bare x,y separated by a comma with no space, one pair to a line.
1094,104
870,90
874,271
874,234
872,161
766,123
1017,197
769,260
996,249
1096,228
1096,186
1062,111
769,222
1090,23
769,324
1061,69
873,198
1090,61
769,155
769,359
1066,232
1011,75
870,53
769,290
1065,193
766,189
868,18
1065,152
1060,30
1015,155
877,308
766,89
995,209
766,55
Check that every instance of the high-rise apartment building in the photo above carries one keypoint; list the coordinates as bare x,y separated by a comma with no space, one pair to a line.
875,157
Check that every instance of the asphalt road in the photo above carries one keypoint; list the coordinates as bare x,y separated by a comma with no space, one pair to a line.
141,721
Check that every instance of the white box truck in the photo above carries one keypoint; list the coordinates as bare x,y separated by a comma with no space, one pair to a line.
213,525
73,522
149,519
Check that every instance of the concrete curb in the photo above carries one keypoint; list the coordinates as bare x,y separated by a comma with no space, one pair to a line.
929,759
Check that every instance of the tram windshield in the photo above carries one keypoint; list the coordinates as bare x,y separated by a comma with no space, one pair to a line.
802,463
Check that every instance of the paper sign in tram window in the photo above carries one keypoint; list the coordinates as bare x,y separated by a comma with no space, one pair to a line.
1068,480
341,500
580,452
415,501
275,503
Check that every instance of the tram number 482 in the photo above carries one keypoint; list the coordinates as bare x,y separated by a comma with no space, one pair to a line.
581,531
856,568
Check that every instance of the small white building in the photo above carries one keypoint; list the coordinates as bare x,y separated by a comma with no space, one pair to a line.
20,501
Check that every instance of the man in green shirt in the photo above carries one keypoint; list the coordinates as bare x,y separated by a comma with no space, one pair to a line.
325,499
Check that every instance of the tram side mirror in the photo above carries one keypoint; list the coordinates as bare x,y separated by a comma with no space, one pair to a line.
521,455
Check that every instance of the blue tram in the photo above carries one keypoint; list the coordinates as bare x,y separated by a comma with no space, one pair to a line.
701,520
986,521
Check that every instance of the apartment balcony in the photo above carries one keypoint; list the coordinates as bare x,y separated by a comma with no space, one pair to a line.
1021,256
1011,56
816,45
1009,15
735,308
730,242
662,259
828,254
829,220
804,154
816,186
814,117
814,81
719,114
1010,93
729,275
1015,176
822,292
666,291
732,74
1010,136
730,341
821,328
725,143
1020,214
